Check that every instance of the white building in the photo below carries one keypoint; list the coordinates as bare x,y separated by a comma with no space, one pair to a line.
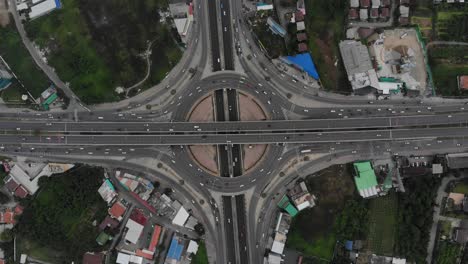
123,258
133,232
181,217
43,8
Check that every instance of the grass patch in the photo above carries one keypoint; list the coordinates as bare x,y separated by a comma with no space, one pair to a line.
445,228
382,224
98,46
202,256
315,231
59,218
17,56
324,25
448,62
452,24
461,187
36,251
272,43
448,253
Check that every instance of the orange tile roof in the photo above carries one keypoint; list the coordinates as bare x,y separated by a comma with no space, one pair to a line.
117,210
155,238
144,253
2,261
19,209
463,82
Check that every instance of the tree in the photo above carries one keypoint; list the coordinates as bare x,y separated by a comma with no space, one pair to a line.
4,198
199,229
7,235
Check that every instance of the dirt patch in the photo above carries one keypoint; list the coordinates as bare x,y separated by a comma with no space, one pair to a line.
249,109
203,110
4,16
325,47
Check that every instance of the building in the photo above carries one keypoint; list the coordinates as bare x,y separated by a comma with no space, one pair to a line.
365,179
385,3
174,254
358,65
107,191
457,160
108,222
117,211
404,11
264,6
135,225
274,258
181,217
275,27
374,13
286,205
182,14
300,26
385,13
301,37
93,258
302,47
192,247
298,16
363,14
5,79
301,197
148,253
364,3
103,238
461,235
375,4
354,3
123,258
463,82
353,14
278,243
44,8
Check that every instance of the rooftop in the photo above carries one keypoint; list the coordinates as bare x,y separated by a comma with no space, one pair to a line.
117,210
355,57
463,82
365,179
93,258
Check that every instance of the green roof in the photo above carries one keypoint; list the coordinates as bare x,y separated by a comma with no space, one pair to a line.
286,205
365,176
292,211
103,238
49,100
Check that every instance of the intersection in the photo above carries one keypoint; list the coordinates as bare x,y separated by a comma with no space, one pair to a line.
333,129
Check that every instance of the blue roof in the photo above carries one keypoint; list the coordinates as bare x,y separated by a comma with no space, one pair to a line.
175,249
58,4
349,245
261,4
304,62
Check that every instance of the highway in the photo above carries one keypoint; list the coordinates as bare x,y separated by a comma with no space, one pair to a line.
234,126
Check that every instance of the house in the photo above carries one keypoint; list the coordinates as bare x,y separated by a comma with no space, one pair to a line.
403,21
5,79
286,205
364,3
21,192
182,14
365,179
103,238
302,47
107,191
192,247
385,13
457,160
374,13
44,8
110,222
93,258
275,27
385,3
117,211
301,37
463,82
405,2
358,65
404,11
353,14
176,248
135,225
375,4
148,253
11,184
354,3
363,14
301,197
181,217
123,258
298,16
461,235
300,26
264,6
465,204
455,201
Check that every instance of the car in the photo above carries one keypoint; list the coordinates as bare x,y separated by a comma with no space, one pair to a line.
269,102
224,12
